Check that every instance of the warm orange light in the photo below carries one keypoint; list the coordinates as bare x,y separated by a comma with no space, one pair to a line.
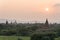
46,9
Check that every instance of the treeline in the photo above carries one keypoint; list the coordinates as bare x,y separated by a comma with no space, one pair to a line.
26,29
17,29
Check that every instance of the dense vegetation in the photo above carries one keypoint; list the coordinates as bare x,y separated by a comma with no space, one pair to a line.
26,29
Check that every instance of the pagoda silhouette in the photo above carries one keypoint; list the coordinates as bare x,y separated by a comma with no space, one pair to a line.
46,25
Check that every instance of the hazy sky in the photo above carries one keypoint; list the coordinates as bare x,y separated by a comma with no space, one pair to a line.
30,10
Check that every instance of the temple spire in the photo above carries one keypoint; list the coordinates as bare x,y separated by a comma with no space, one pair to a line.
6,22
46,23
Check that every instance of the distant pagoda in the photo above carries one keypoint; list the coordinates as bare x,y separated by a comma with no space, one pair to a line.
6,22
46,24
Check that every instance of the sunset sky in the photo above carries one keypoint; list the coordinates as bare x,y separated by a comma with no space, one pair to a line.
30,10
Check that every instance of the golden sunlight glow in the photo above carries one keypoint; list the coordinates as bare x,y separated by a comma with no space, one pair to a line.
46,9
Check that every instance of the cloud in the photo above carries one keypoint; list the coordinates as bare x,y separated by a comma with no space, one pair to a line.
57,5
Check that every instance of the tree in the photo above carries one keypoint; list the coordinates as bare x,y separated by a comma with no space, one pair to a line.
43,37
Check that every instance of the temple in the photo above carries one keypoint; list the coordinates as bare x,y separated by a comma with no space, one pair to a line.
46,24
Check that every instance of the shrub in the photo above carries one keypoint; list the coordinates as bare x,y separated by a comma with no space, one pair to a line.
43,37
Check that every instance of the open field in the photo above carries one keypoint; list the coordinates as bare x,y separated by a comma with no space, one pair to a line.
13,38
